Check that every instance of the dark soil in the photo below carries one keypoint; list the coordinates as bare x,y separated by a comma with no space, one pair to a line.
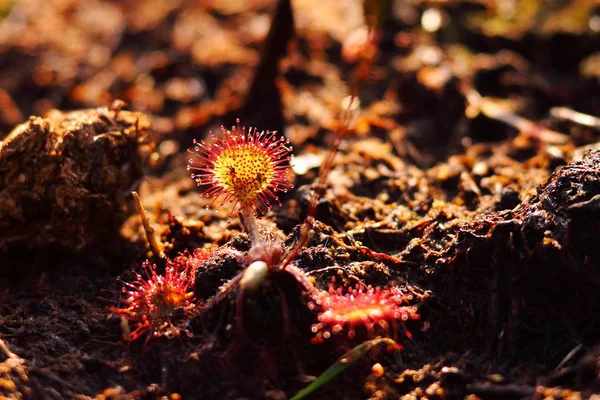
496,226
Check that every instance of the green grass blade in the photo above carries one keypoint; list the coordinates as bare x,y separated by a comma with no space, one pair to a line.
342,364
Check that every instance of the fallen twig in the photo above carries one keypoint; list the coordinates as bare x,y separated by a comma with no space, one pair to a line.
492,109
155,245
575,116
491,391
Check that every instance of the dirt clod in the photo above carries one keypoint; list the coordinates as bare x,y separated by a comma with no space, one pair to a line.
65,179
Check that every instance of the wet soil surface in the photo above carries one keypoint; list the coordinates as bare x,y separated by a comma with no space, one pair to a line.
467,180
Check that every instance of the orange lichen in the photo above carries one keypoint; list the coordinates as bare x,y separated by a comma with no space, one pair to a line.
245,167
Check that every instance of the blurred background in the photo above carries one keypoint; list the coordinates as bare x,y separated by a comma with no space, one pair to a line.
190,62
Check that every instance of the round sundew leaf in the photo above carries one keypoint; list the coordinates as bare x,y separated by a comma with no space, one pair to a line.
244,166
